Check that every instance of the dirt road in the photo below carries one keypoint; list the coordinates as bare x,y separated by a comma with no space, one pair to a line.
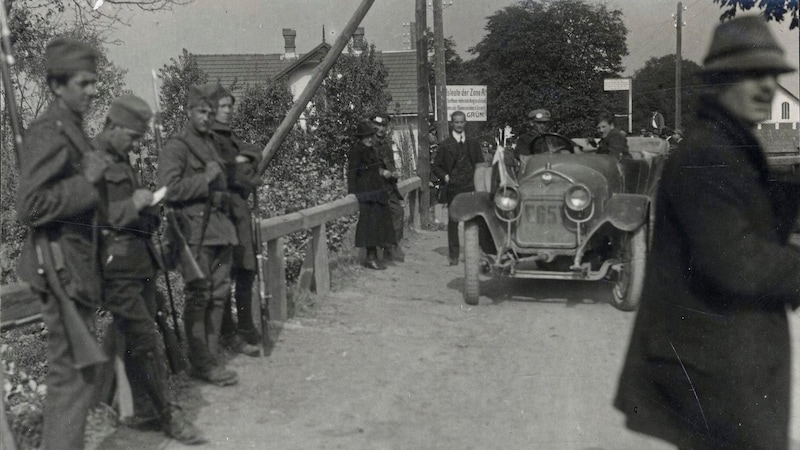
395,360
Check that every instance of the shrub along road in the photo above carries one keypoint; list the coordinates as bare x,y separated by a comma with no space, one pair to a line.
396,360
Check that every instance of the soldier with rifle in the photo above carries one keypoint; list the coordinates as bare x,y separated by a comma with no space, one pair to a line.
129,269
241,161
58,197
192,170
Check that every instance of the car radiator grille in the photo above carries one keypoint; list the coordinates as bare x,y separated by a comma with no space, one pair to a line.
542,222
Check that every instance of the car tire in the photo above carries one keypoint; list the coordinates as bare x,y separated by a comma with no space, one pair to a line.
472,263
627,291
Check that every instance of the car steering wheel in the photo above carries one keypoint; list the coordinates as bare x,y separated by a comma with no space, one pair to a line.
569,145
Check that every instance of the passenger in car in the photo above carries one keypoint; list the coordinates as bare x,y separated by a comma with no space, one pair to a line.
613,140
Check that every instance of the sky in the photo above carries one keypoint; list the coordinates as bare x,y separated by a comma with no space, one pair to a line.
255,26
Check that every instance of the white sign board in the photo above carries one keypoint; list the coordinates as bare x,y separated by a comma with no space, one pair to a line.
616,84
471,99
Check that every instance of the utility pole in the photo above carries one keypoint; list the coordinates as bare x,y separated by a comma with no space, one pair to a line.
678,64
441,72
423,149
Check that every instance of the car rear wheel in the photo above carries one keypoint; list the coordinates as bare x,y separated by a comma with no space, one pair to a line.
472,263
630,280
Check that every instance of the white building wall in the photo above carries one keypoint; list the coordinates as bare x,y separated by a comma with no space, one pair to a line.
782,97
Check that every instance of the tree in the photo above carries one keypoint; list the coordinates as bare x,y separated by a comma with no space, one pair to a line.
771,9
176,78
654,87
454,65
550,55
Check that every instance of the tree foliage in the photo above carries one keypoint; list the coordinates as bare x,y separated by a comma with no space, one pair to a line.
454,66
176,78
776,10
551,55
654,87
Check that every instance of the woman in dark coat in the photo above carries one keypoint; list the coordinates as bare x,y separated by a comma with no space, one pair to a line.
708,365
365,178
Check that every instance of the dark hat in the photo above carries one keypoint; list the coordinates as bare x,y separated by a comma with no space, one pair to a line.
67,55
745,44
381,119
220,93
364,128
200,94
539,115
130,111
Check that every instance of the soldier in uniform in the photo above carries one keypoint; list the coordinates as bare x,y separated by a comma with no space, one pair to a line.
58,198
538,123
383,145
241,162
129,266
191,169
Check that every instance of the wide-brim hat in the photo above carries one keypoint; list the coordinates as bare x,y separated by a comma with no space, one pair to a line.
539,115
364,128
745,44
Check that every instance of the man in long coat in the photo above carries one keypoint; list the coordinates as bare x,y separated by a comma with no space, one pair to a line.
383,145
59,198
708,365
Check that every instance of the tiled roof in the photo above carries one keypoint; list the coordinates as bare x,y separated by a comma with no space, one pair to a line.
252,69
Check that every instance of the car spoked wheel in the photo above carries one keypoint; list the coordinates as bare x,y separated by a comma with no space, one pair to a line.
472,263
630,278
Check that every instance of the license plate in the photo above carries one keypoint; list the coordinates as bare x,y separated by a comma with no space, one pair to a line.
542,225
544,213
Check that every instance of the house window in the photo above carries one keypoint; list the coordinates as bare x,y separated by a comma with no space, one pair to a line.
785,111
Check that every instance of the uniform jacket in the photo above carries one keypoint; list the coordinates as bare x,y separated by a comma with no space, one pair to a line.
182,170
447,157
615,144
524,142
55,198
363,175
243,179
127,250
386,154
713,311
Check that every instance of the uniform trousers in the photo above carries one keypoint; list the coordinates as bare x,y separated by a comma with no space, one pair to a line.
70,391
398,213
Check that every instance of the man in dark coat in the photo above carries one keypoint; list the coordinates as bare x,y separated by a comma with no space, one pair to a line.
366,177
241,161
455,163
383,145
613,141
129,265
538,123
708,365
58,198
191,169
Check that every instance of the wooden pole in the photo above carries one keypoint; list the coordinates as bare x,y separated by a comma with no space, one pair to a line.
423,150
678,64
319,74
441,70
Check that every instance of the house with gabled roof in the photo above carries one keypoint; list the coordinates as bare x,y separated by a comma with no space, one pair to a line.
780,134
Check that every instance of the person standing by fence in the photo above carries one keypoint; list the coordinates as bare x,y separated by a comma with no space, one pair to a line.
383,145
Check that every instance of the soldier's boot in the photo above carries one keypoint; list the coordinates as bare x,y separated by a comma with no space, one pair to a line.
244,308
217,373
203,365
153,378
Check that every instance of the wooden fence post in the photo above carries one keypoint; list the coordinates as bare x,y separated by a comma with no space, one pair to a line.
319,246
276,272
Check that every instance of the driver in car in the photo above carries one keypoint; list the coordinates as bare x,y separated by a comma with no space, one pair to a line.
538,123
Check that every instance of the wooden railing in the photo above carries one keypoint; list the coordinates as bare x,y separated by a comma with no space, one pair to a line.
18,305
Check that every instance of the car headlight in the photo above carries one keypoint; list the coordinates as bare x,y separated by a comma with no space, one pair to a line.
578,198
506,199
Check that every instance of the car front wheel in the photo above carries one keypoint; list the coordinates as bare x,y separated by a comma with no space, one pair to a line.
630,279
472,263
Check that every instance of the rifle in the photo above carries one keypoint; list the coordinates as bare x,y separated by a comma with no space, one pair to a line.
85,349
175,356
191,269
267,340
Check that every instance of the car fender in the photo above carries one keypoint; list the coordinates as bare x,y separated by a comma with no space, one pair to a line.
469,205
627,212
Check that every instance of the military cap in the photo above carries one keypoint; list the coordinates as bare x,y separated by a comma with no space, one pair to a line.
130,111
364,128
539,115
744,44
66,55
201,94
220,93
381,119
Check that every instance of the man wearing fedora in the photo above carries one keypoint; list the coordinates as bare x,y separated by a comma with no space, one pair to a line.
708,365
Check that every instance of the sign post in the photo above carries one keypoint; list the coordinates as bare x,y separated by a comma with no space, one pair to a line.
622,84
471,99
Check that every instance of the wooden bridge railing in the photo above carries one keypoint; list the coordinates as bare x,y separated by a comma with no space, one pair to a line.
19,306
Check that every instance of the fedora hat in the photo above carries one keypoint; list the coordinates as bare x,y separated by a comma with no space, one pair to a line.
365,128
744,44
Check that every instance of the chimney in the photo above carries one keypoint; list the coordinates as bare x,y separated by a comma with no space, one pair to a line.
288,43
358,39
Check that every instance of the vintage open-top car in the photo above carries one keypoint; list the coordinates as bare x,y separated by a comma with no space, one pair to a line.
564,214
